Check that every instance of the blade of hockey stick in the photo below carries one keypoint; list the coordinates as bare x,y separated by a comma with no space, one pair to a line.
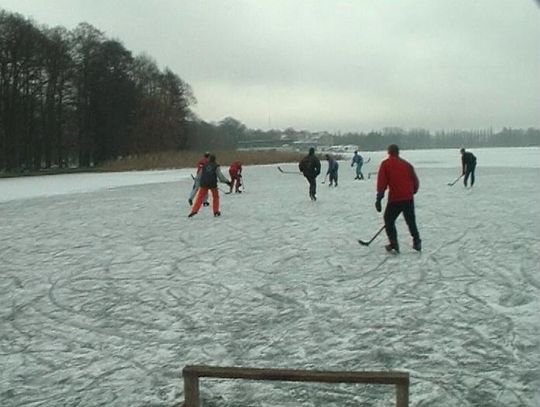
364,243
456,180
288,172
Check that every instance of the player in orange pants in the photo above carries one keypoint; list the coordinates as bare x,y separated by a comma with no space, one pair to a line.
210,175
202,193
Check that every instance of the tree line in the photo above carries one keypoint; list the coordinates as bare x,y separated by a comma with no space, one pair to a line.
424,139
235,134
79,98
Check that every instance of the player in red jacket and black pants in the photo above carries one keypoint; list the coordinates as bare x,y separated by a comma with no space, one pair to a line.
399,177
235,171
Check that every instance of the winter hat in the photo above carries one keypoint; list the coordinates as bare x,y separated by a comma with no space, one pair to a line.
311,151
393,149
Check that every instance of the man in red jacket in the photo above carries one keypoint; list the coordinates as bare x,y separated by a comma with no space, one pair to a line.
399,177
235,171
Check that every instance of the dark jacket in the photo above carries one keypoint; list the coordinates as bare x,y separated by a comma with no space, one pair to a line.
310,166
210,174
333,166
399,177
357,159
468,161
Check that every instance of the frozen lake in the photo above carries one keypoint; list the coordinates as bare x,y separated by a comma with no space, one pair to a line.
107,289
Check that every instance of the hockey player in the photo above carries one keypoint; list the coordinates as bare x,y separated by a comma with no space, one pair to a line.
333,167
310,166
210,174
235,171
196,180
359,161
468,165
400,178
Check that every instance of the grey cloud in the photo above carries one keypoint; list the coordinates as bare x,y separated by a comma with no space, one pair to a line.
349,65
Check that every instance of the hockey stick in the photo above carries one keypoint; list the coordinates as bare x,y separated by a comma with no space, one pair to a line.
288,172
324,180
456,180
240,186
240,183
370,174
363,243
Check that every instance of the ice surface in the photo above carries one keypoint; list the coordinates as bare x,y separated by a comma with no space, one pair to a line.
107,291
40,186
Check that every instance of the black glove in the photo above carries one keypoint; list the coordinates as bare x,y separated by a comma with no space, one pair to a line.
378,205
229,183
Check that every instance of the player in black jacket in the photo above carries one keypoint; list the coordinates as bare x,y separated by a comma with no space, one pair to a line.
210,175
468,164
310,166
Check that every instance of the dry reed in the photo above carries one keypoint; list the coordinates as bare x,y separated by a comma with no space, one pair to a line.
188,159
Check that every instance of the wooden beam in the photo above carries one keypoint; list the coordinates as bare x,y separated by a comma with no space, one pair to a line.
293,375
192,373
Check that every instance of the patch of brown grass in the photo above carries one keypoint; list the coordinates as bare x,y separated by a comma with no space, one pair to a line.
188,159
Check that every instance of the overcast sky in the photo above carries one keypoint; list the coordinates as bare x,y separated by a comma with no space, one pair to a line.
330,64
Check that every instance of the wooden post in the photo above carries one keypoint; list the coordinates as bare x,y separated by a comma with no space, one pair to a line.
191,390
402,395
